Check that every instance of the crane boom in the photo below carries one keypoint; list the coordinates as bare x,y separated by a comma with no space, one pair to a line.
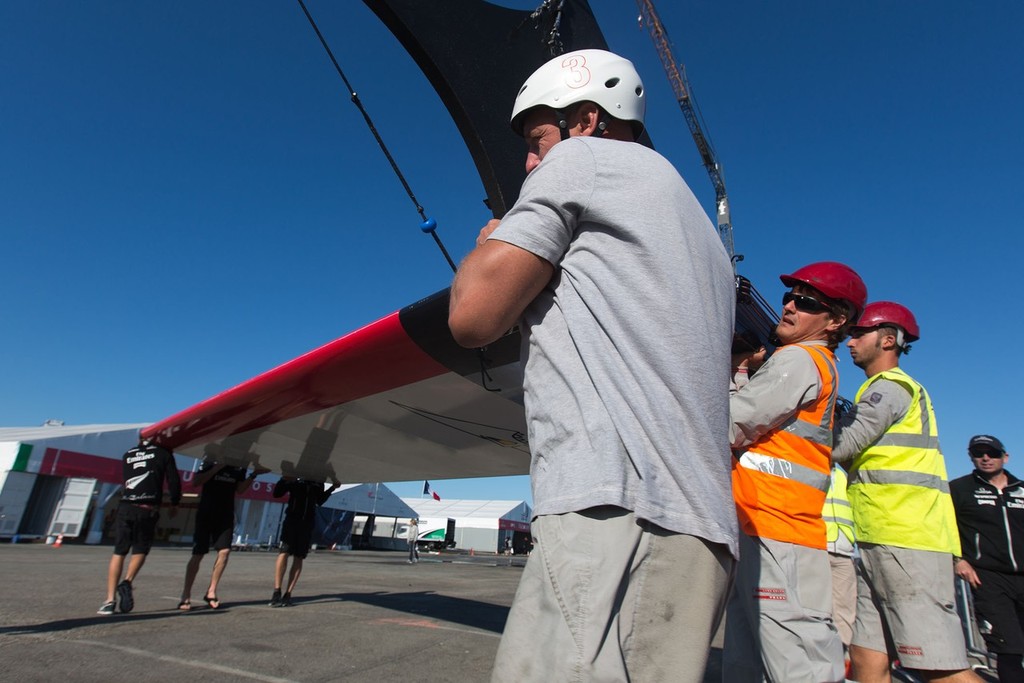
677,78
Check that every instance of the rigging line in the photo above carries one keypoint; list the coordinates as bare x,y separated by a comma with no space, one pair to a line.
428,225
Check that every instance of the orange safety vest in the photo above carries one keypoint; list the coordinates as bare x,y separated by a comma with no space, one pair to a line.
779,482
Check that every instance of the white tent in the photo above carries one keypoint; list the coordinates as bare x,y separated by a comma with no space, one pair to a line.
369,499
480,525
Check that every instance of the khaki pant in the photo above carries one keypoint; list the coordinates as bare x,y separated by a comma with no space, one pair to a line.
608,597
778,623
844,595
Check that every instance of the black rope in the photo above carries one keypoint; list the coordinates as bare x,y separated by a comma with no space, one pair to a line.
428,225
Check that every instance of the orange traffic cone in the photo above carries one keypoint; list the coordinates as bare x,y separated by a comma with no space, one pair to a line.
59,541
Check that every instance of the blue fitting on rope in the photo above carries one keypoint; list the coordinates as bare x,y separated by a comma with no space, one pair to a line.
429,225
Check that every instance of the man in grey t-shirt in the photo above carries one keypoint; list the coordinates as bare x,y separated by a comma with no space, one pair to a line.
625,299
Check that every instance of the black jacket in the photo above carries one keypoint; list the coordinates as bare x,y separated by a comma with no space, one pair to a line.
145,469
303,498
991,523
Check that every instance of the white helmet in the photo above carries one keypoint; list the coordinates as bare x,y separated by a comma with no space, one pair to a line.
597,76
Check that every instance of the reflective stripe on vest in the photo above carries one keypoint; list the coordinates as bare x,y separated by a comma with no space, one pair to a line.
779,483
898,486
928,481
838,513
779,467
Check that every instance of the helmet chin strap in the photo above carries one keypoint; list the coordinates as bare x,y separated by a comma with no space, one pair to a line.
901,341
563,123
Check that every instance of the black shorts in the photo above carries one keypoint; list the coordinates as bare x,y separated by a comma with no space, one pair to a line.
295,540
999,608
134,527
213,529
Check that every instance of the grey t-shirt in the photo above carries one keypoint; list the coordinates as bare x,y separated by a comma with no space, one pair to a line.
626,350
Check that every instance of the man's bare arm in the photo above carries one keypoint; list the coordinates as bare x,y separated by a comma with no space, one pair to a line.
495,283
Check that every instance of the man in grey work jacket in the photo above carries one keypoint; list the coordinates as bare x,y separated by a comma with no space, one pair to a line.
989,505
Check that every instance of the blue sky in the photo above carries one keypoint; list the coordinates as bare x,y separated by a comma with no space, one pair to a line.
188,197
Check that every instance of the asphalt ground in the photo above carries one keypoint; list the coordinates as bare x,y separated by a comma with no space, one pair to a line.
358,616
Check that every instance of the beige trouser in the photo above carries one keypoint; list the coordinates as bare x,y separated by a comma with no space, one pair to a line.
844,595
778,623
608,597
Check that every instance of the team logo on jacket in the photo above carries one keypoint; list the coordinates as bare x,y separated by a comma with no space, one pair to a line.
135,481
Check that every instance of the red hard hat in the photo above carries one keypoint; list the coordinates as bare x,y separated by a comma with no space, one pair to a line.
834,280
890,313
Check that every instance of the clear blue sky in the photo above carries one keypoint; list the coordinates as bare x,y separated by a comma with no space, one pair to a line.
188,197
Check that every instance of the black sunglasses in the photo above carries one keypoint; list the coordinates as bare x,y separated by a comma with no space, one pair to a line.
807,304
978,455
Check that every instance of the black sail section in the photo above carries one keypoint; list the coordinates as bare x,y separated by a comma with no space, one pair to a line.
476,55
426,323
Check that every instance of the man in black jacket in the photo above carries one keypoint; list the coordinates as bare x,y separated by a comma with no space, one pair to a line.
989,506
145,468
304,496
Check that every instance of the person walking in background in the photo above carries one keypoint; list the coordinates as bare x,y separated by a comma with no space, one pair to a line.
304,496
412,534
902,511
989,504
215,524
146,468
779,620
625,300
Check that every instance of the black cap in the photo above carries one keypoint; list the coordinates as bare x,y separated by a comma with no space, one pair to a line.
983,442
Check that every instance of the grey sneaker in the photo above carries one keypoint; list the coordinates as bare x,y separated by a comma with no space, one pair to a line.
107,609
126,600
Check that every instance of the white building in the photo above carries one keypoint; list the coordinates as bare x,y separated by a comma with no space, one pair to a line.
478,525
51,477
60,479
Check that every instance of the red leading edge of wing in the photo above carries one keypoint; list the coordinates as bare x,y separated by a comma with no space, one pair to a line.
375,358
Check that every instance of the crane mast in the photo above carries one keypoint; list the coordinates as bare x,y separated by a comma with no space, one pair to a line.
677,78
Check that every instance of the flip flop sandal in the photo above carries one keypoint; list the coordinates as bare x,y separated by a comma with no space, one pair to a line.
185,605
212,601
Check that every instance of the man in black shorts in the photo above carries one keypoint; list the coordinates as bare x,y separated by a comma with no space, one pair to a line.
145,468
304,497
215,523
989,505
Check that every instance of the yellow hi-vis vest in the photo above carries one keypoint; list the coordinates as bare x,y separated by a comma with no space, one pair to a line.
898,486
837,513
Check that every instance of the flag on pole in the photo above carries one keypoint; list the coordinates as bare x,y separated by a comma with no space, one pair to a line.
426,490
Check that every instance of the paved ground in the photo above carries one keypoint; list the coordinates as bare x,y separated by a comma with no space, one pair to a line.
359,616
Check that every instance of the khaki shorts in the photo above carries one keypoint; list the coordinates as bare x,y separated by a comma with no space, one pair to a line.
606,597
906,608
